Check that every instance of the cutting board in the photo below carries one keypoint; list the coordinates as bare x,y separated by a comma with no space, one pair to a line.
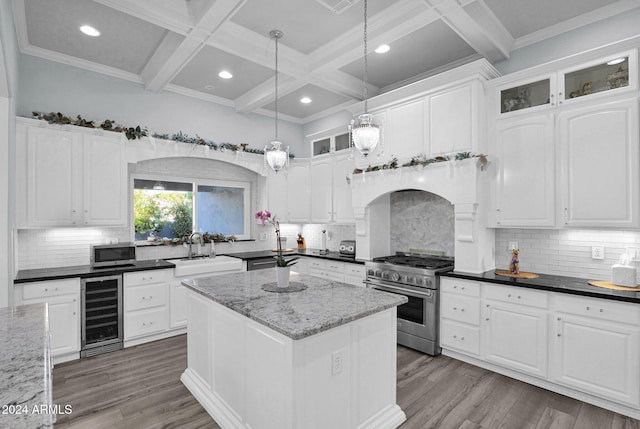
288,249
609,285
521,275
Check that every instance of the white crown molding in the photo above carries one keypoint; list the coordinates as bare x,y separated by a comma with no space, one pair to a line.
80,63
605,12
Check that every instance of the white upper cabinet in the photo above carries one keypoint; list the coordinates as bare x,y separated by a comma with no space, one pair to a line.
451,123
104,181
526,172
600,164
70,178
404,133
321,190
342,201
277,198
298,198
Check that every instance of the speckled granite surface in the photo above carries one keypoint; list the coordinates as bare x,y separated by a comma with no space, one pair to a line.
25,367
322,306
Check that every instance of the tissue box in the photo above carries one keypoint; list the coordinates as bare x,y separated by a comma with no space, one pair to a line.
623,275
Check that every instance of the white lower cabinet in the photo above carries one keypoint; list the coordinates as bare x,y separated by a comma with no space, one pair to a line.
146,309
584,347
338,271
63,297
354,274
593,352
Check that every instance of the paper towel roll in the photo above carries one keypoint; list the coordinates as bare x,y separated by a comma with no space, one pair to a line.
623,275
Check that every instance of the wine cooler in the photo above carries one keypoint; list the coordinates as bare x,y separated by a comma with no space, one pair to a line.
102,329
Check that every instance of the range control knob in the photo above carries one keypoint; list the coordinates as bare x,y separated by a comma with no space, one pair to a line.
419,281
370,272
410,279
395,277
427,282
385,274
378,273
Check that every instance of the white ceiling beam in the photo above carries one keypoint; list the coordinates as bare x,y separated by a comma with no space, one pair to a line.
171,56
476,25
265,93
170,16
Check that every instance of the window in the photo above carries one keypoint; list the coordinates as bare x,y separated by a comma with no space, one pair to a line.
173,209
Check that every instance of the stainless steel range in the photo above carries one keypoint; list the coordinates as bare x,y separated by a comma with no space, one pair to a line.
416,277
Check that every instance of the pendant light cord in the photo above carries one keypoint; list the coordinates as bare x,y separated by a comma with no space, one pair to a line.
276,37
366,91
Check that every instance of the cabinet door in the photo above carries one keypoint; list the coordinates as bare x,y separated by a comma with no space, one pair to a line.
600,163
516,337
64,324
404,135
321,191
298,192
277,195
525,193
597,357
54,172
451,118
342,201
178,305
105,181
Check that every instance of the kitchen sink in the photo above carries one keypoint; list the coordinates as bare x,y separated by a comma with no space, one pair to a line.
190,267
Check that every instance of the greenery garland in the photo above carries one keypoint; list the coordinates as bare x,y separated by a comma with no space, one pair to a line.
424,161
138,132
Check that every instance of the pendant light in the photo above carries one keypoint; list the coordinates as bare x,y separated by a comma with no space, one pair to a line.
276,157
364,133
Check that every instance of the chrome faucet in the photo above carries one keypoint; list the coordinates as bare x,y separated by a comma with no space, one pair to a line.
191,242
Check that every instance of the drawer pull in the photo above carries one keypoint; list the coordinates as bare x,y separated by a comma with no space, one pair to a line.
455,308
559,318
508,295
462,288
601,310
559,335
487,319
588,308
455,287
462,309
518,296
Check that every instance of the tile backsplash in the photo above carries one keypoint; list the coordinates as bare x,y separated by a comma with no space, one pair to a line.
565,252
421,220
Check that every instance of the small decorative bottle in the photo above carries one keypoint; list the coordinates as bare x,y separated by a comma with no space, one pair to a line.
514,265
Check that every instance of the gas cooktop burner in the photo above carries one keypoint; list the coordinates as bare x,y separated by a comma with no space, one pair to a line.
417,261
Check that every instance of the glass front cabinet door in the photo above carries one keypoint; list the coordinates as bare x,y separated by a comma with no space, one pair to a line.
528,95
615,73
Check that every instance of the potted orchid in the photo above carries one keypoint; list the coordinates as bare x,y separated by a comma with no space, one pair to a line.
283,266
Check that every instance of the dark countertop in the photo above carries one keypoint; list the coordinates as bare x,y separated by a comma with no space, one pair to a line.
315,253
86,271
25,379
571,285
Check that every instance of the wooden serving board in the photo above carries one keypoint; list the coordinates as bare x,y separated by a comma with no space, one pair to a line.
521,275
288,249
609,285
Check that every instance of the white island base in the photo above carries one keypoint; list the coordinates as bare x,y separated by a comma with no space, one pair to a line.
247,375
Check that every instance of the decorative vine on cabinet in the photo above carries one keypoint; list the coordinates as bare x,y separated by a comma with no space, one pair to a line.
69,178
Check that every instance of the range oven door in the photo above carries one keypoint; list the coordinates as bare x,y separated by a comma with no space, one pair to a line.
418,318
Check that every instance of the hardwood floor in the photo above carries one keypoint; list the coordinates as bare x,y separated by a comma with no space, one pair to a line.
140,388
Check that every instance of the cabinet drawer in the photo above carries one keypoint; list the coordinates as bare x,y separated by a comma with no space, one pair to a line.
317,263
461,337
149,296
50,288
464,287
335,267
461,308
517,295
145,322
355,270
598,308
145,277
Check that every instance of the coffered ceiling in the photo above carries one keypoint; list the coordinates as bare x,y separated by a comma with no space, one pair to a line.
182,45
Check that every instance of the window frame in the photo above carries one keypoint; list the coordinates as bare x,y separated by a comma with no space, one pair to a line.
195,182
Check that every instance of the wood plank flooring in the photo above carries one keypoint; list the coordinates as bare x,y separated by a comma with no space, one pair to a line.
140,388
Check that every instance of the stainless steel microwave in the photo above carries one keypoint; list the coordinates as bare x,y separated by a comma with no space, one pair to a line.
109,255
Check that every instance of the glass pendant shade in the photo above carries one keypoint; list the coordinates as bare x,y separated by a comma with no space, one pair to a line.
365,134
276,157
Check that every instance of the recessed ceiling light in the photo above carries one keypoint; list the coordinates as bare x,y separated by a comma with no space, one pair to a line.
225,74
382,49
209,87
616,61
305,100
89,31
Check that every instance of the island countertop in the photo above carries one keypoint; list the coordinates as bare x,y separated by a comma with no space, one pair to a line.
25,379
322,306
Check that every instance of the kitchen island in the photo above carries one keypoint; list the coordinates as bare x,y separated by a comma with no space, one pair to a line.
323,357
25,378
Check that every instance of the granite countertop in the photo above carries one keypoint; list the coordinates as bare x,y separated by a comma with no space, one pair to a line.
25,379
86,271
315,253
571,285
322,306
